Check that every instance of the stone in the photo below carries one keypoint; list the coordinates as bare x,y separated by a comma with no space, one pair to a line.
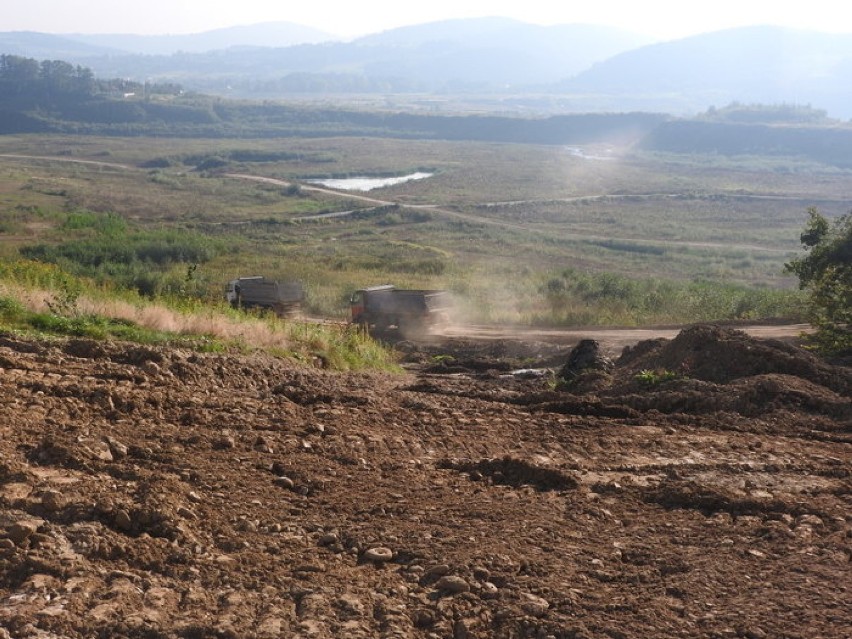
379,554
534,605
122,520
225,442
22,530
118,449
284,482
437,571
489,591
327,539
453,584
52,500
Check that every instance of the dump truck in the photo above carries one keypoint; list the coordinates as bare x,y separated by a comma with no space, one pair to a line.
283,298
411,312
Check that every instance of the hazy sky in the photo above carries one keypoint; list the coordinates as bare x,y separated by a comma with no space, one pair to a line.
665,19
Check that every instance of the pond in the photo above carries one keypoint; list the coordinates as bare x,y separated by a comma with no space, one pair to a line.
368,183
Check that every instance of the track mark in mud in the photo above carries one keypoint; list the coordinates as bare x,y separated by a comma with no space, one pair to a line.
514,472
689,495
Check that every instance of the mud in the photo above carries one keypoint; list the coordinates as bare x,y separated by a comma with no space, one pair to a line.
698,487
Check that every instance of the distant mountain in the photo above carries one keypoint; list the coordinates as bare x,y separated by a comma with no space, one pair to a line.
484,54
267,34
762,64
528,53
45,46
487,62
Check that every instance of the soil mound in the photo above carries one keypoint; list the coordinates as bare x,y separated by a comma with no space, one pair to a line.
722,355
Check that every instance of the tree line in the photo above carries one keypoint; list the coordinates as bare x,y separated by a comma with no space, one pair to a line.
28,82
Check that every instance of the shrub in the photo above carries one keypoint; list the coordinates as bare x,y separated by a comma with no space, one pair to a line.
826,273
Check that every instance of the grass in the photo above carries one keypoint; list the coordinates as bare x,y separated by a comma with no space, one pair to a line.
41,299
650,377
698,240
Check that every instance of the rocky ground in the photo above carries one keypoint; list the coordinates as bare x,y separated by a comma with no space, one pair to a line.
694,487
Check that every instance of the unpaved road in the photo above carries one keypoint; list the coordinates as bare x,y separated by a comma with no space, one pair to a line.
489,221
163,494
612,340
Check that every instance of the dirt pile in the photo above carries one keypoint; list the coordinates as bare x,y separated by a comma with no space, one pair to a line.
164,494
712,371
722,355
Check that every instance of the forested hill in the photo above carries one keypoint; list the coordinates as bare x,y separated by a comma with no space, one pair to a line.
55,96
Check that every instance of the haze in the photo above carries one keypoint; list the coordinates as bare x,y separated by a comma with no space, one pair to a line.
663,19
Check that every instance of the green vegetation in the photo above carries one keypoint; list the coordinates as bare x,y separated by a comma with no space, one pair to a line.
656,377
42,299
826,273
521,234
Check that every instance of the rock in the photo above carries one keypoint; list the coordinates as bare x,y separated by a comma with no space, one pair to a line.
489,591
224,442
122,520
481,573
284,482
437,571
452,584
261,444
327,539
379,554
186,513
52,500
118,450
349,607
534,605
22,530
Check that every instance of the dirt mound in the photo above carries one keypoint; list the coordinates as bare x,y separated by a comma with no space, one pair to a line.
721,355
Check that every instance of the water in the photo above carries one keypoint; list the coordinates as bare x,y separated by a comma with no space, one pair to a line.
367,183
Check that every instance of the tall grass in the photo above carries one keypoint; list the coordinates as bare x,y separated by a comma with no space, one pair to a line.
41,298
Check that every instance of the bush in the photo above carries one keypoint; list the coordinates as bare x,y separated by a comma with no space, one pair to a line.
826,273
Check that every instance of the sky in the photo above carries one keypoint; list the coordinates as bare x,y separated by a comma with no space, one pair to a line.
662,19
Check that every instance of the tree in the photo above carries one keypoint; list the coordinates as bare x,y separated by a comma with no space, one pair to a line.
826,273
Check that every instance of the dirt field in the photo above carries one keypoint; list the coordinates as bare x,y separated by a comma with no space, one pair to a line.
695,486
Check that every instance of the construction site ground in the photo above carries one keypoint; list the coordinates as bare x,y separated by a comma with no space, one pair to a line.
698,487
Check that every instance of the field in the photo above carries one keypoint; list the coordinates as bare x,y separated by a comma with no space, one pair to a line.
521,233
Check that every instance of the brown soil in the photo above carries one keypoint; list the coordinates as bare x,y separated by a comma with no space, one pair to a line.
700,487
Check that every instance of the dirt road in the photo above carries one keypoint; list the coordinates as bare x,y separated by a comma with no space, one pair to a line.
612,340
